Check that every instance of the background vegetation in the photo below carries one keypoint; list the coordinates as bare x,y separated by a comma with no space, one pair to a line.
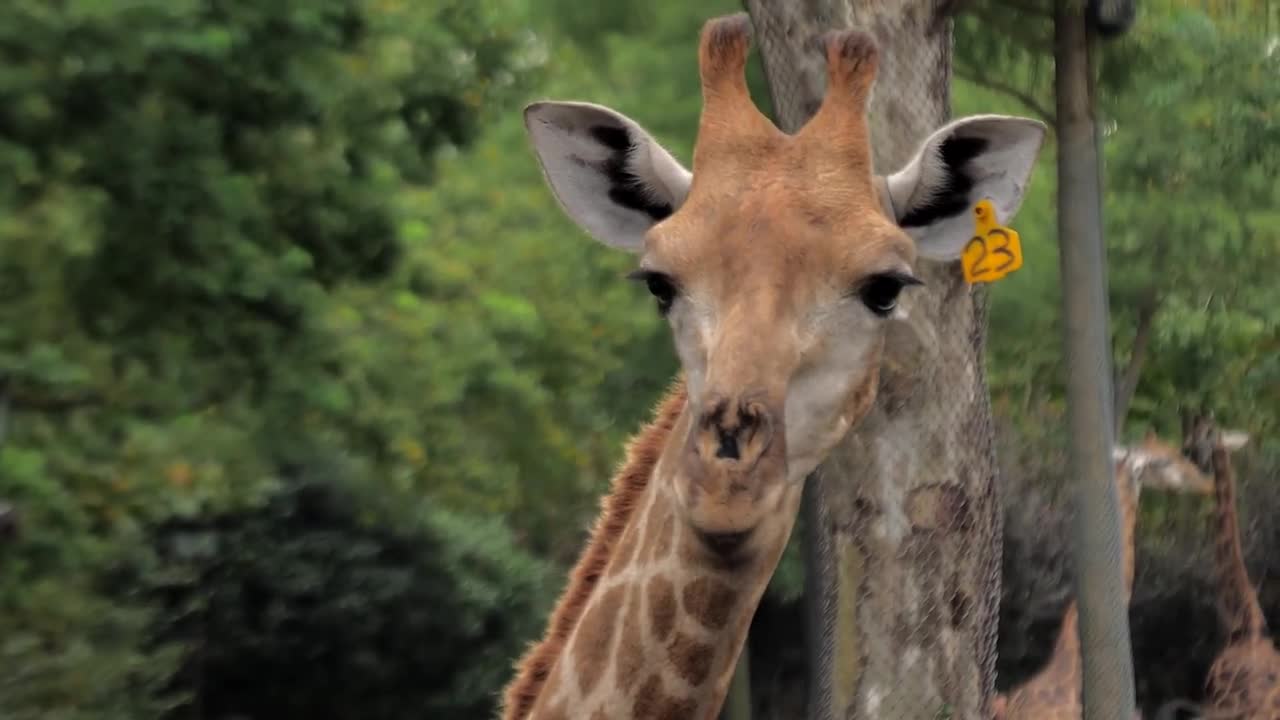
308,389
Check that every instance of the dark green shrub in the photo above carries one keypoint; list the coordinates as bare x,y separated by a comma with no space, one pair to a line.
320,606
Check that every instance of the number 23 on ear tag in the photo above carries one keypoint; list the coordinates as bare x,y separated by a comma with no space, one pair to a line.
994,251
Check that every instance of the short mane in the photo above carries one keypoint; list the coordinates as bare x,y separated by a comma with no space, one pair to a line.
616,509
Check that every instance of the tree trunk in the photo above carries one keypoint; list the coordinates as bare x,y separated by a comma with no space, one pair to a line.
902,523
1107,672
1127,381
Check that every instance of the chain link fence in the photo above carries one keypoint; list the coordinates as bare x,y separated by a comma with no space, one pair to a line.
903,522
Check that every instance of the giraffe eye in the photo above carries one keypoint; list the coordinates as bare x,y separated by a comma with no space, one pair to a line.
880,292
661,286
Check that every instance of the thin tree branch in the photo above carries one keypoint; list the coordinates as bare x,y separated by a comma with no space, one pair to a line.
44,404
1013,92
8,515
24,401
1127,383
4,407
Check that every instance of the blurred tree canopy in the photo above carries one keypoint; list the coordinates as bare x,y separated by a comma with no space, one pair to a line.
1188,103
191,195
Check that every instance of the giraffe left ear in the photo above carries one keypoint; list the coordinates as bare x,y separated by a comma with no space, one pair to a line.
983,156
609,175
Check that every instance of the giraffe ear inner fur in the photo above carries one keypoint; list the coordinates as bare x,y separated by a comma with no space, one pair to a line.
626,188
971,159
955,183
608,174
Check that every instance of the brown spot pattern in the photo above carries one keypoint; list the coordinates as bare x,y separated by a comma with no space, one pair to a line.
630,657
709,602
691,658
594,643
662,607
652,703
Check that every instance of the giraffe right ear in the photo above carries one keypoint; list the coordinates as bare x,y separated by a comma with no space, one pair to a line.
610,176
967,160
1233,440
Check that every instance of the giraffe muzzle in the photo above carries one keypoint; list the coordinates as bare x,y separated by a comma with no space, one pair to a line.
732,434
733,465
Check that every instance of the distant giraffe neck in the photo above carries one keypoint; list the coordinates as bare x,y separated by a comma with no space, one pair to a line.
653,621
1064,661
1237,603
1128,488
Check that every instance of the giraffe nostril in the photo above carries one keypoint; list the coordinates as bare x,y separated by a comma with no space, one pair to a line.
733,430
728,449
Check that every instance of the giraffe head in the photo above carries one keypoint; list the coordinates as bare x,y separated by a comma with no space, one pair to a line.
778,259
1158,465
1200,434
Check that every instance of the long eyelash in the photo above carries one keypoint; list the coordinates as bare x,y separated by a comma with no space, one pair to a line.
643,275
906,279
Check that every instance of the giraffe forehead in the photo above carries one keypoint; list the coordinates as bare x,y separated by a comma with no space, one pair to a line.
780,235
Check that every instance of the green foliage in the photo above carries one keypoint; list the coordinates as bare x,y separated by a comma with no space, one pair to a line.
1187,105
1191,166
218,167
69,651
189,193
359,609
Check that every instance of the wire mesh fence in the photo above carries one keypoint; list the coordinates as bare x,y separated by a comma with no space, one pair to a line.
903,522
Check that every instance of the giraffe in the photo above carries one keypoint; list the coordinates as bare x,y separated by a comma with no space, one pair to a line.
1054,692
1244,680
777,261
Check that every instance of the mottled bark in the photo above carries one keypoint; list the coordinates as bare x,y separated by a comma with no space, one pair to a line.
902,522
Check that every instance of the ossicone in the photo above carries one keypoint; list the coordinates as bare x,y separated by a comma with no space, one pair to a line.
852,61
728,113
722,55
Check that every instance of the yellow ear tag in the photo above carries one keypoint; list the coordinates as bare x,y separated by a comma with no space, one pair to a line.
994,250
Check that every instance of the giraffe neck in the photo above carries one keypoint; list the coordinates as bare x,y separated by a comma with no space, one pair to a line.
616,512
1128,487
657,625
1237,604
1065,659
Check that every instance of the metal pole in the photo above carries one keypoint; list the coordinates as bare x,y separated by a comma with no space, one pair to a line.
1107,682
